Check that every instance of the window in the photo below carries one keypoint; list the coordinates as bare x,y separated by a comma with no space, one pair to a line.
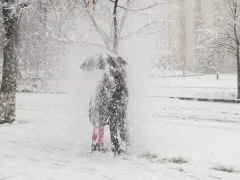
181,6
198,6
182,40
182,22
198,24
198,21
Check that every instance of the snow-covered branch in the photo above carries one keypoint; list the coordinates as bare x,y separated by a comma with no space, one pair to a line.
139,9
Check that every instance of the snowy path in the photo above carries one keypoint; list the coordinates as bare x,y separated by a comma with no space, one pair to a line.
61,165
41,146
20,160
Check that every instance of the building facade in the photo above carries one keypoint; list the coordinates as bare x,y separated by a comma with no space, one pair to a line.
190,18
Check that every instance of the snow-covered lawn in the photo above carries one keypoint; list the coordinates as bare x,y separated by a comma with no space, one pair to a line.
206,86
172,140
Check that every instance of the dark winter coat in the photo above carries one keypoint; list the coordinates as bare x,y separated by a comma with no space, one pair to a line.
109,103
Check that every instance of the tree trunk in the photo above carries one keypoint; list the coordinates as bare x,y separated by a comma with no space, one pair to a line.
238,75
115,24
9,72
237,47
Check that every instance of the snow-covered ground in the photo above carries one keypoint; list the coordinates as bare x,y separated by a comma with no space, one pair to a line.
206,86
48,142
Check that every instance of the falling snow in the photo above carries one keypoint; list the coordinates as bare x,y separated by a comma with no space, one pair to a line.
129,89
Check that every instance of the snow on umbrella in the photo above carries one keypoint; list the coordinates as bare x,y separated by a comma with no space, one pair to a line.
99,61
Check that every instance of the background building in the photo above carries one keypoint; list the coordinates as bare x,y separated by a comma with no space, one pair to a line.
190,19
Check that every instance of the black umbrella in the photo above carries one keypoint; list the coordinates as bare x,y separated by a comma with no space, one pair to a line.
99,61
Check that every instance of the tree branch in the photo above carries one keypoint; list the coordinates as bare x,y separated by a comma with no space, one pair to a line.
97,27
139,30
141,9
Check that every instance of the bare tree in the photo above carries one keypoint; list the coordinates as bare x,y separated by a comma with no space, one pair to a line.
11,11
226,36
114,13
43,29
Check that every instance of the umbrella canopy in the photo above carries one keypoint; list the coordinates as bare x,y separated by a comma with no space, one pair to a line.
100,61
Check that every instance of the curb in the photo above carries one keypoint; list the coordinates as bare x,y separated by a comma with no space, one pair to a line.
40,92
172,76
193,87
208,100
234,101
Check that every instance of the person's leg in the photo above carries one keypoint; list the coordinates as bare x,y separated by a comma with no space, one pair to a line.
100,138
122,130
94,138
114,134
124,134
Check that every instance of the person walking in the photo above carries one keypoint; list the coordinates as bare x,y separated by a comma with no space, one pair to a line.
108,105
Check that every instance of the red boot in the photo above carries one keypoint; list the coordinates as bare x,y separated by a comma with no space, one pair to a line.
97,139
